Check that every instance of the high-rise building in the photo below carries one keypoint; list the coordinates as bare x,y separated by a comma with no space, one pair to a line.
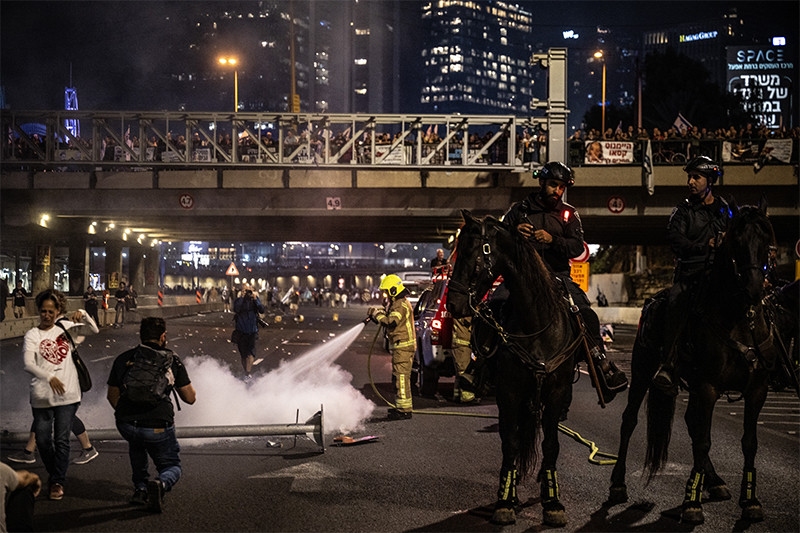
336,56
476,57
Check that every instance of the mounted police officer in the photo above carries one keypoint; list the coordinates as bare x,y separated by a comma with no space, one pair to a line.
555,230
694,231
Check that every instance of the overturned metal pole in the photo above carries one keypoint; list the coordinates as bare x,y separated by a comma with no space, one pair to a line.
313,428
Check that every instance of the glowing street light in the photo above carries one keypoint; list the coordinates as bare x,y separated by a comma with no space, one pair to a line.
232,62
599,55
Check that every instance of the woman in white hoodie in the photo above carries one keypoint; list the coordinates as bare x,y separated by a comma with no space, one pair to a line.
55,392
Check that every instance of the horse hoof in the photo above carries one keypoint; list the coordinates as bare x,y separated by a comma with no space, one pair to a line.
719,493
618,494
504,516
555,518
692,515
753,512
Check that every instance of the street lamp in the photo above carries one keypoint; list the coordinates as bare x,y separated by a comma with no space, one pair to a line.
232,62
599,55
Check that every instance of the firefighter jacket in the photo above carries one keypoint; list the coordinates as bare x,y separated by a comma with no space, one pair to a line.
691,226
399,322
562,223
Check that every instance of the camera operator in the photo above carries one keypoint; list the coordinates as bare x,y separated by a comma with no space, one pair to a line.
247,308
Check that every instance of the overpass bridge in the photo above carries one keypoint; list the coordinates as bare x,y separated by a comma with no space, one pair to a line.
313,177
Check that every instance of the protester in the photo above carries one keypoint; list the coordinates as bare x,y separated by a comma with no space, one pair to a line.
139,388
55,391
18,492
247,307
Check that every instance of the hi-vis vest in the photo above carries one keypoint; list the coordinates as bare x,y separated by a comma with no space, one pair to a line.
399,324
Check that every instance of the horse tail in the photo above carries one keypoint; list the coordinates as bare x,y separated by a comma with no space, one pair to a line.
528,441
660,412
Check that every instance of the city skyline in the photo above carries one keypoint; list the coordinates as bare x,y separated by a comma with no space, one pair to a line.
100,48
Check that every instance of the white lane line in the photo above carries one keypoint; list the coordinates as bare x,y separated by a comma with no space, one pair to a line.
103,358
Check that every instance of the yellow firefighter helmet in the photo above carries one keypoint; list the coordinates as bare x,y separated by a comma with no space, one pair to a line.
392,284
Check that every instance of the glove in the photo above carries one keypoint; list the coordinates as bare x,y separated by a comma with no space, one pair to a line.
372,311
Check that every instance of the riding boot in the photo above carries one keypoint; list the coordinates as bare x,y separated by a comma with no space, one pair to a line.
612,379
665,379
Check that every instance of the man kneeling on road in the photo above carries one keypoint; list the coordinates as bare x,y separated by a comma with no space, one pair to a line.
139,390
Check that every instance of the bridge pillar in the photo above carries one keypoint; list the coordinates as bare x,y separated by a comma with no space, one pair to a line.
136,268
152,275
78,264
42,277
114,272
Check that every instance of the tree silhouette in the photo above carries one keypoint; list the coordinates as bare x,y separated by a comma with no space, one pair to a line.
675,83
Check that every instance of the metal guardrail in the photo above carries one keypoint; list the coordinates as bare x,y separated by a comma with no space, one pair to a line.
42,139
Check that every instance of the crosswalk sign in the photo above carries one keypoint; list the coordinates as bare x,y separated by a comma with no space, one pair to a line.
232,270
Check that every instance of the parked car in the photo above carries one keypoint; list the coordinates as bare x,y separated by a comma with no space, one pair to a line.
434,328
416,282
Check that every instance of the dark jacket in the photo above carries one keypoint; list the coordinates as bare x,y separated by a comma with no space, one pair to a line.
246,310
561,222
691,226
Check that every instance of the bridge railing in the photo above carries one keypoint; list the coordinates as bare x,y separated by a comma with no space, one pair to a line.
41,139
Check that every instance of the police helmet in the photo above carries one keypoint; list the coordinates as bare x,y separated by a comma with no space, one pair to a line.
392,284
556,170
704,166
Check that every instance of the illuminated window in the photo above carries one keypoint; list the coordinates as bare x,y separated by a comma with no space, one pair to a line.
362,90
457,68
360,61
362,31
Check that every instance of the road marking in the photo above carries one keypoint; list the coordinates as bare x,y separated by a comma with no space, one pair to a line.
103,358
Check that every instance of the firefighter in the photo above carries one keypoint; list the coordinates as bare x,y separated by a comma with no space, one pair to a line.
399,323
462,356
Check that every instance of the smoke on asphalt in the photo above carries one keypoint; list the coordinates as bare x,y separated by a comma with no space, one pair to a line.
302,383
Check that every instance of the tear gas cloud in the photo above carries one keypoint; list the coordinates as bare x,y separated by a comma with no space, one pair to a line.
305,383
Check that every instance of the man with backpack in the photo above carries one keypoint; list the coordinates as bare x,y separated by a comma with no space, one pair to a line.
139,388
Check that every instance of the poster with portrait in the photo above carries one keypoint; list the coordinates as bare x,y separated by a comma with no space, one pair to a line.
608,152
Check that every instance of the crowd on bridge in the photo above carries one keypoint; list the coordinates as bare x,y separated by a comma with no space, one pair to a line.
305,144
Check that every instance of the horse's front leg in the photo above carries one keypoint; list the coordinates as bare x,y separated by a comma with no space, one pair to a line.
508,410
553,512
748,500
698,421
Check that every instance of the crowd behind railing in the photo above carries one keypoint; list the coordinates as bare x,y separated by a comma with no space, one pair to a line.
622,146
676,146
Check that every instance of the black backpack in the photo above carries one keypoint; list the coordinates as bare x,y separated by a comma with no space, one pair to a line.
148,376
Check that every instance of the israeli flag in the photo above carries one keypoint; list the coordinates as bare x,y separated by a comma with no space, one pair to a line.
681,122
647,163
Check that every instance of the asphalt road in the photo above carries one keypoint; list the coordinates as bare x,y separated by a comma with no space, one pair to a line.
436,472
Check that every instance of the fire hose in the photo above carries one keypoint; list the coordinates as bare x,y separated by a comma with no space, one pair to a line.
594,450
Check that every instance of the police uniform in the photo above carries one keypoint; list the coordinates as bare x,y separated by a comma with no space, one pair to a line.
399,323
563,223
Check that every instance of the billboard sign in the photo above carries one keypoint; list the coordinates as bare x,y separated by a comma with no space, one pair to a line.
763,76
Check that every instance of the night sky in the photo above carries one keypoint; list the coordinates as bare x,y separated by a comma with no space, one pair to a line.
118,50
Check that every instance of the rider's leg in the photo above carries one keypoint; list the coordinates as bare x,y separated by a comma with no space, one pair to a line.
665,378
614,378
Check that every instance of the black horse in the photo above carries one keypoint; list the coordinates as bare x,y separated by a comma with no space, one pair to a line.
730,348
534,360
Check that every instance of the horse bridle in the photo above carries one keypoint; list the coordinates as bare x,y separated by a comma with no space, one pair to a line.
470,290
478,305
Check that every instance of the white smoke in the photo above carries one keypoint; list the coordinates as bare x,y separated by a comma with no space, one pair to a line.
303,383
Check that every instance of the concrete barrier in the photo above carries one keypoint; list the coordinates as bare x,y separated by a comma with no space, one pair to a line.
618,315
17,327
